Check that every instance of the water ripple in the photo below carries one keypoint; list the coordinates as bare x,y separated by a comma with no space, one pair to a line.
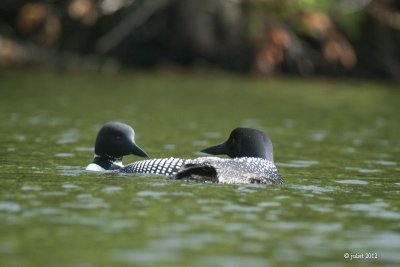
352,181
9,206
63,155
298,163
70,170
318,135
31,188
362,170
70,186
233,261
154,194
315,188
111,189
384,162
375,209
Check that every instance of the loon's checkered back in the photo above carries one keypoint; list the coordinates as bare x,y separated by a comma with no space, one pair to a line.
231,171
163,166
241,170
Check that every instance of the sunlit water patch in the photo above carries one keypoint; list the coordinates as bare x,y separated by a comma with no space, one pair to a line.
31,188
378,209
70,170
64,155
352,181
86,202
385,162
9,206
318,135
298,163
112,189
362,170
314,188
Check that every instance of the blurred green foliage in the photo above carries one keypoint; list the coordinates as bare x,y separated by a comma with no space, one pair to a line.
340,37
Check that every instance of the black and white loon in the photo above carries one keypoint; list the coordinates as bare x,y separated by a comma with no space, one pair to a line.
251,162
114,140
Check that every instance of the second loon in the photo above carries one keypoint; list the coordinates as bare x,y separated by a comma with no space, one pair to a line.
251,162
114,140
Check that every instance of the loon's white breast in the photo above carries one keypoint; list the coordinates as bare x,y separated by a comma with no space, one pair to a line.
94,167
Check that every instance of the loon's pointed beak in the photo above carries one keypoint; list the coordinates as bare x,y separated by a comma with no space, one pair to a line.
216,150
136,150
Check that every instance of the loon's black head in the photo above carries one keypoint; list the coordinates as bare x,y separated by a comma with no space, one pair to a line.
244,142
115,140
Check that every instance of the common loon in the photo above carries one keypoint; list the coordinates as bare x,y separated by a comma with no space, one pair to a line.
114,140
251,162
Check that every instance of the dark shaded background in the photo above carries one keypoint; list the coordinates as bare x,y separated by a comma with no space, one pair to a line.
357,38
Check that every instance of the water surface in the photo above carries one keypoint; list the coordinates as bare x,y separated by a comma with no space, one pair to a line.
336,144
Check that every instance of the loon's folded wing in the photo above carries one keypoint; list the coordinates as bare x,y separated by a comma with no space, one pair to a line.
201,172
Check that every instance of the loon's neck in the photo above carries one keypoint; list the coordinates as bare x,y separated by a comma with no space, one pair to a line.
106,162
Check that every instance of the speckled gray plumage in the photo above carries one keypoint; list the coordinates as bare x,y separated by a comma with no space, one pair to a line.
241,170
229,171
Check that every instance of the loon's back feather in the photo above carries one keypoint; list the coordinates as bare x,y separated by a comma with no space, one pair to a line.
234,171
210,169
163,166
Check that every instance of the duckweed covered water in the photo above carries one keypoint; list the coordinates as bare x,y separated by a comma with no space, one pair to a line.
336,144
